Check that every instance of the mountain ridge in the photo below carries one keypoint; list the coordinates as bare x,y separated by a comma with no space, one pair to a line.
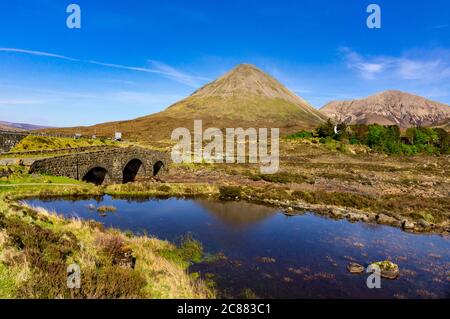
391,107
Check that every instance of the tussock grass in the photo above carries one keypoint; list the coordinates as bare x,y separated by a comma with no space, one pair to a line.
37,246
163,190
35,143
104,209
20,175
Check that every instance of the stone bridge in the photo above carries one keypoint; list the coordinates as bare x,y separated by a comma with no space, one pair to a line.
116,165
10,139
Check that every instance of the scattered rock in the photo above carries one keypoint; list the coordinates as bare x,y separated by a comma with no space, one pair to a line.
324,276
287,279
356,217
335,212
408,225
298,271
268,276
350,258
423,223
389,270
289,211
355,268
426,294
266,260
385,219
358,245
104,209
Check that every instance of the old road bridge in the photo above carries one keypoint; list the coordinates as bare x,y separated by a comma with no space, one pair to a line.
114,165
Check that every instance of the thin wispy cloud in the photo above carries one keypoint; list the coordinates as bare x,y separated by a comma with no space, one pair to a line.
159,67
368,69
430,66
39,53
177,75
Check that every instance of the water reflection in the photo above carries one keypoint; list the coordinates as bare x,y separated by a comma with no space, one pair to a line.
237,214
270,255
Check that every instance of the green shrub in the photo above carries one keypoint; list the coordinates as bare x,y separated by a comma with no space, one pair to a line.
164,188
301,134
114,250
387,139
229,192
189,250
326,129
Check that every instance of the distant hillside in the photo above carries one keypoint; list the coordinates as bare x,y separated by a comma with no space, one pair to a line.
389,108
244,97
8,126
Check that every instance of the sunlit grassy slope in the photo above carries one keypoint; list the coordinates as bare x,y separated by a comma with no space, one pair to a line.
33,142
244,97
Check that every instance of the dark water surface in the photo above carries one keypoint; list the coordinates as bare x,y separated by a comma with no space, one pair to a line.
276,256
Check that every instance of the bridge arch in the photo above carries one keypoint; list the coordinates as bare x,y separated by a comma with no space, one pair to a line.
96,175
157,167
133,170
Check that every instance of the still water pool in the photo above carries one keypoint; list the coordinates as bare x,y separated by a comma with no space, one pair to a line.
271,255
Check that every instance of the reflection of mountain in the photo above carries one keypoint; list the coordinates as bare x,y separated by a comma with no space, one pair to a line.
237,214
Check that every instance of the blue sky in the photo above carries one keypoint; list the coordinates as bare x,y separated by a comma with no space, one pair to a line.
133,58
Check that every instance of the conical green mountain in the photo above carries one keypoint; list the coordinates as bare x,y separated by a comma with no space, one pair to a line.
244,97
246,93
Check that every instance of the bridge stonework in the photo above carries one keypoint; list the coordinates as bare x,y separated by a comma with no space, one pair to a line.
117,165
10,139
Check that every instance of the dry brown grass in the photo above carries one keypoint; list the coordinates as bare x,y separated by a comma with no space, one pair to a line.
36,248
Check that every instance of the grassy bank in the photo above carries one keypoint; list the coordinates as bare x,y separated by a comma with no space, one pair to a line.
20,175
197,190
39,143
36,247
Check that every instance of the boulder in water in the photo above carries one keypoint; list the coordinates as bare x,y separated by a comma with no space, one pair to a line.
355,268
